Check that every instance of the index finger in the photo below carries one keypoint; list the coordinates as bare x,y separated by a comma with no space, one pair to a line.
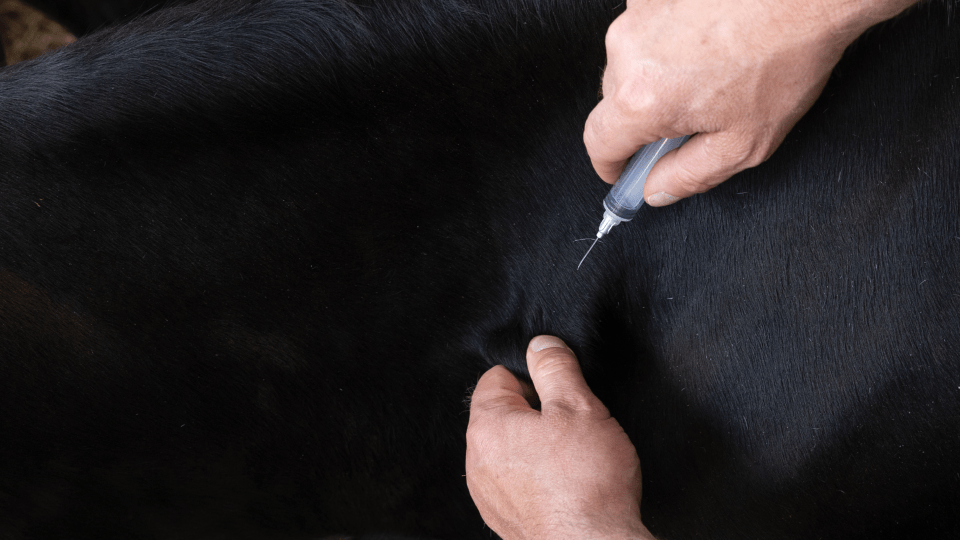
498,389
611,140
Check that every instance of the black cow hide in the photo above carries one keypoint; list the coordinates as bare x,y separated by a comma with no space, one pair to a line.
254,255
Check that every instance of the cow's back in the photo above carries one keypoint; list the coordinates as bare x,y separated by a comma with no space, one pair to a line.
247,289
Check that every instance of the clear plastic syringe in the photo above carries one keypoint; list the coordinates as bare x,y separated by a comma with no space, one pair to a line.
626,196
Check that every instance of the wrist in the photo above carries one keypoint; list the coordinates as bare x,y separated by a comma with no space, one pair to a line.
631,531
641,533
848,19
607,529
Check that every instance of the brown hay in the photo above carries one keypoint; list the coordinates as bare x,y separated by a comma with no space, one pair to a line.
27,33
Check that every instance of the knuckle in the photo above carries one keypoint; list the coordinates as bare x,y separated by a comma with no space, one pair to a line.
726,149
499,403
597,133
481,411
724,157
478,436
736,156
688,180
474,434
751,156
616,33
591,135
630,95
473,464
634,98
764,150
494,377
746,152
743,159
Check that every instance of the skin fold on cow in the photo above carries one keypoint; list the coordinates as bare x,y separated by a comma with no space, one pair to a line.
254,255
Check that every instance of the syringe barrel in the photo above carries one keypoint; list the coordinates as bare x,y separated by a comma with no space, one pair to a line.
626,196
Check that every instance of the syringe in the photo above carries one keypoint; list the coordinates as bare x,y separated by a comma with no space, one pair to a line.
626,196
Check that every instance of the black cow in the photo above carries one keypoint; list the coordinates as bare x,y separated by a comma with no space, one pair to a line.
253,255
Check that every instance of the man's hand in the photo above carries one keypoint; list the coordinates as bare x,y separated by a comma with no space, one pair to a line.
738,73
565,471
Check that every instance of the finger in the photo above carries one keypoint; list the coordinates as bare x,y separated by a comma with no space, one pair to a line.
498,390
556,375
611,139
705,161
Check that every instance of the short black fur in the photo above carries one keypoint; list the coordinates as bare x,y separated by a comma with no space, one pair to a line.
254,254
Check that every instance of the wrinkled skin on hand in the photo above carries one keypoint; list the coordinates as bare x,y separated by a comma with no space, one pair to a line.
567,470
738,73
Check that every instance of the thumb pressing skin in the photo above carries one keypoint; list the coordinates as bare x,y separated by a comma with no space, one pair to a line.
565,471
557,377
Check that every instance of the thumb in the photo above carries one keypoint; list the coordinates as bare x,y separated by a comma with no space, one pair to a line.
704,162
557,377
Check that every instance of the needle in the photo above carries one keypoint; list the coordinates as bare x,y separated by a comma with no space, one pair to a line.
588,251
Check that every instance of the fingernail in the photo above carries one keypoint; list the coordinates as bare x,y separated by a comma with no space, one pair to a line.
540,343
661,198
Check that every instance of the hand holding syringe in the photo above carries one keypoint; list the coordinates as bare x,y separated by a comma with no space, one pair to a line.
626,196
